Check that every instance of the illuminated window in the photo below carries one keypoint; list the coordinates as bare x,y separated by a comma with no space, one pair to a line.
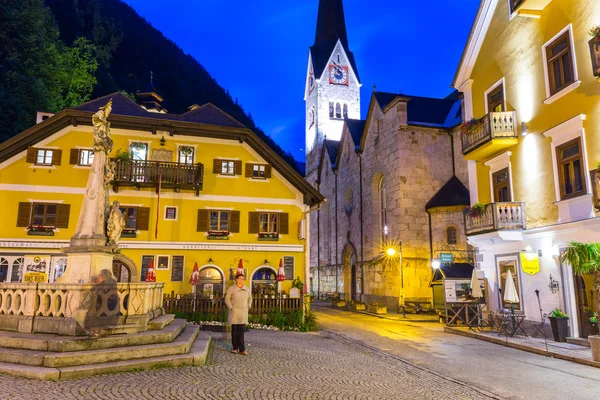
501,182
86,157
268,223
218,221
495,99
259,171
559,62
571,169
227,167
44,157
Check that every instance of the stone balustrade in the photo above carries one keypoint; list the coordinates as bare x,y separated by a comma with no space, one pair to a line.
496,216
67,308
494,125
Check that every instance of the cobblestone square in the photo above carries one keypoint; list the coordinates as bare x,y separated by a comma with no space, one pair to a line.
281,365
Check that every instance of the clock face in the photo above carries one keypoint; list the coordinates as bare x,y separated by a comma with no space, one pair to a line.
338,74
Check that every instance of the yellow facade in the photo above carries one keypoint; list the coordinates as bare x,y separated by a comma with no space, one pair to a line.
22,181
513,51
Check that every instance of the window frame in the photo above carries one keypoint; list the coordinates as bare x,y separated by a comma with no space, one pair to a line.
90,155
167,208
447,234
256,168
269,222
219,216
517,278
45,157
507,185
228,167
492,90
124,210
555,93
44,215
561,162
191,158
383,220
514,5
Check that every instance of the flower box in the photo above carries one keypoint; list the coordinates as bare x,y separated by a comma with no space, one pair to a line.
268,237
218,235
595,53
130,234
356,306
40,231
338,303
377,309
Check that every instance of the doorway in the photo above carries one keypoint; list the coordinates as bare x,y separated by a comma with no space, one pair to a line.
121,271
352,278
584,297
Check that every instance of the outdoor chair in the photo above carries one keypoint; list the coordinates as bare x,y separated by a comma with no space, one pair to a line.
539,328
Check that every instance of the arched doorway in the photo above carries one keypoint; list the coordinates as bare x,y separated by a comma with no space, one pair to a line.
264,282
211,282
352,276
121,271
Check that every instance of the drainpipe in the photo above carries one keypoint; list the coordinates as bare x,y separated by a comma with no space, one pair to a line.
318,249
452,147
362,275
431,251
336,232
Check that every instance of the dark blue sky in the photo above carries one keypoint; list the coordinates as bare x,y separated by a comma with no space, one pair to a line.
259,49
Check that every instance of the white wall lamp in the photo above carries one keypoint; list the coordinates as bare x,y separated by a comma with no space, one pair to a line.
524,128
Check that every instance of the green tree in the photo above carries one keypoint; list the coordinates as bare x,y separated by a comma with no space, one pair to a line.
79,67
585,259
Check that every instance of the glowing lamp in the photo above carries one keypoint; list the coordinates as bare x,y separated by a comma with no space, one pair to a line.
391,252
435,264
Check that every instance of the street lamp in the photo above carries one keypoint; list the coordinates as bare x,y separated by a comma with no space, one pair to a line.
435,264
392,252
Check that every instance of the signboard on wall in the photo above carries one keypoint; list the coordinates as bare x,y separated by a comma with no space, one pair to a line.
36,269
288,267
145,265
177,269
530,263
446,258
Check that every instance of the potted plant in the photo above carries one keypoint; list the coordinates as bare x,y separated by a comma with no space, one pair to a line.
584,258
476,210
123,155
595,49
186,150
357,306
337,302
467,125
594,322
376,308
559,323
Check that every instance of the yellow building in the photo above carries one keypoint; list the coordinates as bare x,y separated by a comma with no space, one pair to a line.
529,79
197,188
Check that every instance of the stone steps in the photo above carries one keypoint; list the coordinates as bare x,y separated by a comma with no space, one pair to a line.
54,343
196,356
160,322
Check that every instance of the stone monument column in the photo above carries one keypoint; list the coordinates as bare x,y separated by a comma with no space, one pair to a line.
89,253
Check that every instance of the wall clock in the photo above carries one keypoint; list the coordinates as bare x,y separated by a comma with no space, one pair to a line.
338,74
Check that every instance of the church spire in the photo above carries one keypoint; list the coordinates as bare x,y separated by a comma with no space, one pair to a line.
331,24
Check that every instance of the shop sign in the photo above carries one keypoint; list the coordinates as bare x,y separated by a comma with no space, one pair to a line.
530,263
446,258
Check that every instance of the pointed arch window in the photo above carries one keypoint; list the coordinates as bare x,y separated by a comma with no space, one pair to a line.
338,111
331,110
383,211
345,111
311,117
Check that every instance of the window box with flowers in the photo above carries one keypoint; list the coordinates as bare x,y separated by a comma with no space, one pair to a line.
218,235
376,308
129,233
476,210
39,230
268,236
595,50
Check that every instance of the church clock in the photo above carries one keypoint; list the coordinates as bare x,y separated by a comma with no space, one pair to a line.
338,74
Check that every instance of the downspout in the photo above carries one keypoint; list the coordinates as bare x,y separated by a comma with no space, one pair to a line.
452,147
362,272
430,236
318,249
336,233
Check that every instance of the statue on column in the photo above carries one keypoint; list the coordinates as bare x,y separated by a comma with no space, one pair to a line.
102,140
115,225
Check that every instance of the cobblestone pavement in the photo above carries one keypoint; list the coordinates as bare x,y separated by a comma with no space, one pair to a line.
281,365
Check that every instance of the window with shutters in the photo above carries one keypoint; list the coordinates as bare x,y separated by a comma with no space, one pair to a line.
86,157
560,65
219,221
44,157
268,223
571,169
259,171
130,214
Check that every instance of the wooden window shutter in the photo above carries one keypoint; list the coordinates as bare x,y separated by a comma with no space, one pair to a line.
74,157
202,225
284,223
249,170
143,218
253,219
62,215
56,156
217,166
235,222
24,215
268,171
238,167
31,155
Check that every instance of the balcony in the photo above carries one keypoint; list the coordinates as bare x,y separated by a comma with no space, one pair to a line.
528,8
144,174
496,217
495,132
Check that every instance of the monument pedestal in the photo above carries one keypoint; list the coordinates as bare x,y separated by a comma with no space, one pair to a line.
86,263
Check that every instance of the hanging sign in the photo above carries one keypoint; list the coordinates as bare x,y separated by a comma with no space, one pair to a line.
446,258
530,263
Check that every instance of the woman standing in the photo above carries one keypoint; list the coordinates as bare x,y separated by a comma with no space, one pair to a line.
238,299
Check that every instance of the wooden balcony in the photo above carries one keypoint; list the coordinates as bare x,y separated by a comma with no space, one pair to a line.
144,174
495,132
496,217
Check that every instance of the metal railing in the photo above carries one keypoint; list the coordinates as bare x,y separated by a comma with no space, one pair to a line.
495,217
135,172
492,126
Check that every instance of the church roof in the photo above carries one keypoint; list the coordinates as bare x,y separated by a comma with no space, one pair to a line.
453,193
427,111
123,105
331,26
356,128
332,147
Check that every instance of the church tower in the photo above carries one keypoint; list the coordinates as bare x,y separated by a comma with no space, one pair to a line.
332,90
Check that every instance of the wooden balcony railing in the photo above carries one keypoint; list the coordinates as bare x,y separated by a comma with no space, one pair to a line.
496,217
492,126
148,173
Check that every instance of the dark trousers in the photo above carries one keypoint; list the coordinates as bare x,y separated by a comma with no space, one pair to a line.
237,337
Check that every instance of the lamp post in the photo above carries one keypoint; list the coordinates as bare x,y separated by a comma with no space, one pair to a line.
392,252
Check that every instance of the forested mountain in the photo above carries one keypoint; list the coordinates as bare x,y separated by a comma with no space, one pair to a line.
39,39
